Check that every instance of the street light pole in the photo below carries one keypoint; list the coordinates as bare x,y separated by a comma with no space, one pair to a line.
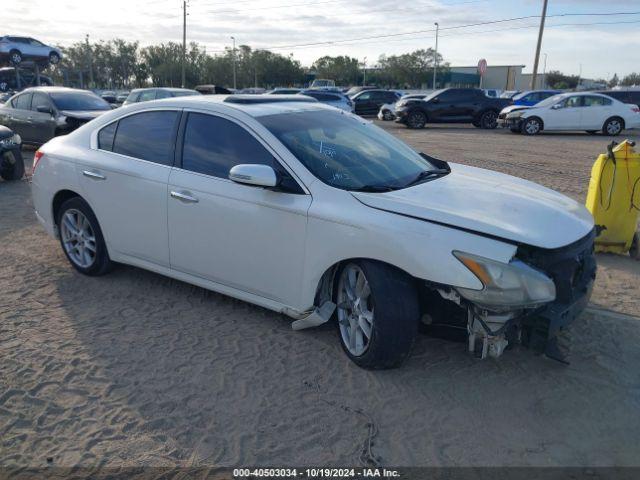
184,40
234,62
537,59
364,72
435,57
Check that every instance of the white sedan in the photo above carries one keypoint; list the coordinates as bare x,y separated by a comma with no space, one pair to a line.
320,215
592,112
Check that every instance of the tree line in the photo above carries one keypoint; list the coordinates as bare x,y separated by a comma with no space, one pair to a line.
119,64
558,80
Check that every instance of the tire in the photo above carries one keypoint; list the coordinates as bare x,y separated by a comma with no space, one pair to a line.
592,132
489,120
416,120
95,263
532,126
613,126
54,58
15,57
634,251
386,296
387,116
4,86
12,171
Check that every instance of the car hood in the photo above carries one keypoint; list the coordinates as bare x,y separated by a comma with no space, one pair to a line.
84,114
490,203
513,108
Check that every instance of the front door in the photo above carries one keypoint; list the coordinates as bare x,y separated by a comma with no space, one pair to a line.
248,238
42,124
565,115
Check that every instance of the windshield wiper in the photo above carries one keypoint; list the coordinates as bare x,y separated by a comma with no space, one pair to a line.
427,175
374,188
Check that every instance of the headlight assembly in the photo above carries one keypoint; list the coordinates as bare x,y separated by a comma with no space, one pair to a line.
506,285
516,114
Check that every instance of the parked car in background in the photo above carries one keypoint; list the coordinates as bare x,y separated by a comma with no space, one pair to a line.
588,111
212,90
155,93
625,95
332,98
523,100
16,49
355,90
109,97
317,214
284,91
40,113
509,93
252,91
121,97
27,78
323,83
368,102
388,110
492,92
452,105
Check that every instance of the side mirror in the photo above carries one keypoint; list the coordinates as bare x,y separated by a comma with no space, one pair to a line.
254,174
557,106
44,109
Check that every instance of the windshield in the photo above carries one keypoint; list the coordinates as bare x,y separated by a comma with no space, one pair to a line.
550,101
78,101
185,93
346,152
433,94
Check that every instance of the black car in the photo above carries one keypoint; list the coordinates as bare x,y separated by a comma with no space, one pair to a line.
355,90
38,114
368,102
625,96
11,162
451,105
9,80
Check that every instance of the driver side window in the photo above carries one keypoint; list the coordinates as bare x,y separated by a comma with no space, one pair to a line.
572,102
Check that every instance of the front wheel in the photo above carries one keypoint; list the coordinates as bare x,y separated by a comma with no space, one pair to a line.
377,312
15,57
489,120
81,238
387,115
416,120
531,126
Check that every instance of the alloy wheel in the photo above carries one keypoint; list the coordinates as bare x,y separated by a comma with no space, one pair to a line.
489,120
532,127
416,120
355,310
78,238
614,127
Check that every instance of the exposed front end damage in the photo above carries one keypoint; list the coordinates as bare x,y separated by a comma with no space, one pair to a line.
491,329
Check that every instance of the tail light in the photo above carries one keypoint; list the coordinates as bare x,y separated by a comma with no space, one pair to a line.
635,109
36,158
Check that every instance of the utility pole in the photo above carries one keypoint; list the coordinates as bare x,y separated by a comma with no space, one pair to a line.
364,72
184,41
234,62
544,72
535,62
90,61
435,57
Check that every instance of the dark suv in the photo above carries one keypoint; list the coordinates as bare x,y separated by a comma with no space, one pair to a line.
625,96
451,105
8,80
368,102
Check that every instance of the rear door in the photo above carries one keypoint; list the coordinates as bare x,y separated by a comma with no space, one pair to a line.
365,103
18,117
595,111
125,180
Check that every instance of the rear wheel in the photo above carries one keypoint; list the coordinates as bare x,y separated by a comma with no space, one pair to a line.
81,238
416,119
531,126
613,126
489,120
377,311
54,58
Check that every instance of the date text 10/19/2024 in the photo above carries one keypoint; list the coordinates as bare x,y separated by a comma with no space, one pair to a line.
240,473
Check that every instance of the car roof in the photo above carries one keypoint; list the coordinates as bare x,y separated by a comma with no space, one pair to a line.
253,105
168,89
50,89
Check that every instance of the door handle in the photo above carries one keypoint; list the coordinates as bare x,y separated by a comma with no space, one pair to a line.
94,175
184,197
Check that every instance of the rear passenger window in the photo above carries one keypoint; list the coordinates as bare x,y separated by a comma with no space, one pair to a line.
23,102
148,136
213,145
106,136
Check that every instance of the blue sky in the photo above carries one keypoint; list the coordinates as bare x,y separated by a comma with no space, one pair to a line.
285,25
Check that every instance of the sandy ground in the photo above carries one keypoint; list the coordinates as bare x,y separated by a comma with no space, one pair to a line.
136,369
